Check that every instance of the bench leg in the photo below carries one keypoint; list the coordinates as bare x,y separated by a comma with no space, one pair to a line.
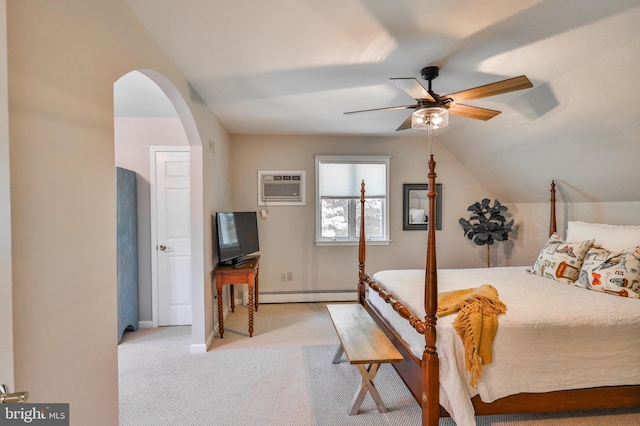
368,374
338,355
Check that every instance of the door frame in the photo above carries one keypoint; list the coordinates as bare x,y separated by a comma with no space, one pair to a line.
199,305
153,150
6,281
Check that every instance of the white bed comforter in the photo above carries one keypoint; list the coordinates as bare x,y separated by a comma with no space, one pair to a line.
554,336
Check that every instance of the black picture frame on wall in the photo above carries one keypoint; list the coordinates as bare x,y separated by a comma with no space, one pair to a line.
415,206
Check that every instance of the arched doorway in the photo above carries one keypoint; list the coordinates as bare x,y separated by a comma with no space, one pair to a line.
148,106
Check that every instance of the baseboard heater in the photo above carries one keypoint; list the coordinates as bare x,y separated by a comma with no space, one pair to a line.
303,296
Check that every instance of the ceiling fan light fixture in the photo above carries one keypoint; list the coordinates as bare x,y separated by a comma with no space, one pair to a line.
435,117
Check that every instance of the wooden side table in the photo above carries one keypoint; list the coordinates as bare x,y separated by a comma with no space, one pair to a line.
246,273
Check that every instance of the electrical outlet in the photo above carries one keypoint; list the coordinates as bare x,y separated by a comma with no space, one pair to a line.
283,277
289,276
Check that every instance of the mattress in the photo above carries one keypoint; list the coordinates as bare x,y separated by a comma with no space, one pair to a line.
554,336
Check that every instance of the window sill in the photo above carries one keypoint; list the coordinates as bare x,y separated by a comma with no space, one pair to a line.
352,243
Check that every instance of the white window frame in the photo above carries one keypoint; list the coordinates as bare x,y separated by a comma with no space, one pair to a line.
350,159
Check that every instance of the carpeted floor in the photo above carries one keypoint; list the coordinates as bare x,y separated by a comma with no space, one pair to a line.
283,375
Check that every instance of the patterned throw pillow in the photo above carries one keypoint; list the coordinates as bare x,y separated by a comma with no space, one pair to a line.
612,272
561,261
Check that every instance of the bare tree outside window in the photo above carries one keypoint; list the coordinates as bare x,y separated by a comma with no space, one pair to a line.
341,218
373,215
335,218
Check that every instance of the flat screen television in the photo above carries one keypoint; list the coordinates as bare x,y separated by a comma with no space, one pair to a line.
236,235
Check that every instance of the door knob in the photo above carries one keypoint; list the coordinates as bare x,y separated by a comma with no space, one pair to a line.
12,398
164,248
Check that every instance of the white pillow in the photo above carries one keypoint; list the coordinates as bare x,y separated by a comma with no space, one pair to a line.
416,216
610,237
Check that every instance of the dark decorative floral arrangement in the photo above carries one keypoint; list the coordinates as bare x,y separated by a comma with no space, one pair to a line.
487,224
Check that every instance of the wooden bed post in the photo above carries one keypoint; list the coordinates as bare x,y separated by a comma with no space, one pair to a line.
552,219
430,361
361,250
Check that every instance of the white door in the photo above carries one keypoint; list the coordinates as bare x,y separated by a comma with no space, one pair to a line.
173,237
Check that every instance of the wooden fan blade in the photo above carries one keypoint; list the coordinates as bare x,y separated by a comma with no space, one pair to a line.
384,109
405,125
498,88
413,88
483,114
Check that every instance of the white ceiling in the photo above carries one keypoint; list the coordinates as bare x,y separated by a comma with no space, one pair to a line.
136,95
294,67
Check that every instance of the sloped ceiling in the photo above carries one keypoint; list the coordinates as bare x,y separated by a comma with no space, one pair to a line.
294,67
136,95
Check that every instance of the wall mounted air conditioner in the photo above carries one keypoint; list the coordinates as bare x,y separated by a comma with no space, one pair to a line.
281,187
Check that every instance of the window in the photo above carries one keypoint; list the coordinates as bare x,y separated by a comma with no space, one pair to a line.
338,180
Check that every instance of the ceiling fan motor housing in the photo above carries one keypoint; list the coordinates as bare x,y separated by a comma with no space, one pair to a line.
430,73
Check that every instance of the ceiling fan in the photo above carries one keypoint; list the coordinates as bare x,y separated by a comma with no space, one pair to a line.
432,104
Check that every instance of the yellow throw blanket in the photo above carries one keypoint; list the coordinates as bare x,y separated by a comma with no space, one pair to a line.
477,323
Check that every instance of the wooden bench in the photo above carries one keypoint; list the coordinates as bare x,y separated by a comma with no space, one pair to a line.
364,343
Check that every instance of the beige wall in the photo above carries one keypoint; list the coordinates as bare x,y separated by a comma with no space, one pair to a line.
64,57
217,196
287,235
532,224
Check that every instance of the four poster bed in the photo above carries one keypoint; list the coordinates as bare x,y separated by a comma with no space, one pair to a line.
558,348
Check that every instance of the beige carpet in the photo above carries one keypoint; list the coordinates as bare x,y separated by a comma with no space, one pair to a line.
283,375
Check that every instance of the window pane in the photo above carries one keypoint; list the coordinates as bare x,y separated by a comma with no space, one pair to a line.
373,214
335,218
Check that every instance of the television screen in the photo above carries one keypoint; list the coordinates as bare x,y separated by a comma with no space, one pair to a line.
236,236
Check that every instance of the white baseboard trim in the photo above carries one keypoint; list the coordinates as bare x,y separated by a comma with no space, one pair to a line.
302,296
145,324
204,347
210,339
198,348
